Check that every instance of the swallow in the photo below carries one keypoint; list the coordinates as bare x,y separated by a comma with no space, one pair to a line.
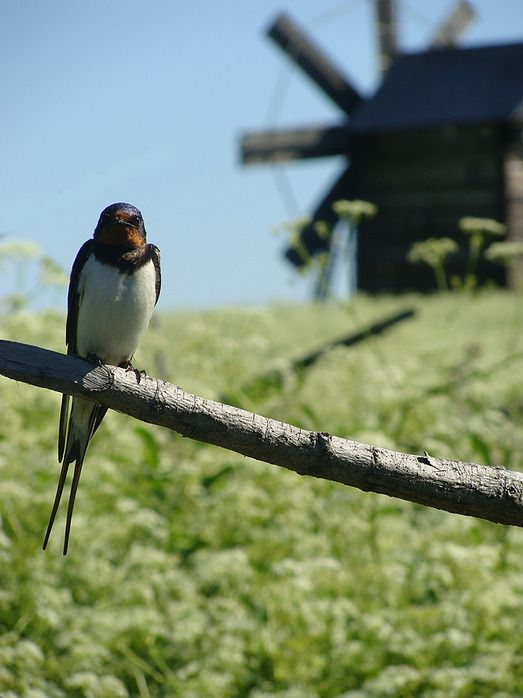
114,286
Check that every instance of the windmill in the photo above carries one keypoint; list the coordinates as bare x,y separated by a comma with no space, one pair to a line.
359,139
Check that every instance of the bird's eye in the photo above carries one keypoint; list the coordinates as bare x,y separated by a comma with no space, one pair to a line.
135,220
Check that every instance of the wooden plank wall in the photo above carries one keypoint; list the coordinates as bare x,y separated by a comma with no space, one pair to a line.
423,182
513,170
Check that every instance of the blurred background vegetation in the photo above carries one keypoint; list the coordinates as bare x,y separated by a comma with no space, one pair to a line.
196,572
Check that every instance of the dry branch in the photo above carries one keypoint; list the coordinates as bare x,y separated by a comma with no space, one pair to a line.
275,377
487,492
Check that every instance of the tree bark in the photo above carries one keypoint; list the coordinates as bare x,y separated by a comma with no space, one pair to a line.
487,492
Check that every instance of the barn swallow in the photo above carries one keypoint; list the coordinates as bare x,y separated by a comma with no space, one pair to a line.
114,286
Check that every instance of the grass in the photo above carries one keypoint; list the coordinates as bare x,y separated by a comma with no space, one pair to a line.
195,572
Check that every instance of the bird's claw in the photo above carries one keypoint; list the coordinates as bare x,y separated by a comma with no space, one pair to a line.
95,359
137,371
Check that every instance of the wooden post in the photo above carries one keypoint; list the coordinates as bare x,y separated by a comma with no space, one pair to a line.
513,167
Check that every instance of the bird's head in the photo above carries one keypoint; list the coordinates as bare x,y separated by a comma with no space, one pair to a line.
121,225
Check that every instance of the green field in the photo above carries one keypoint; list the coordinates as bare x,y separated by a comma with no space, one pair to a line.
195,572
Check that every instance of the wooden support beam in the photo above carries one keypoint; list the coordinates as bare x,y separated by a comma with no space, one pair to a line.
311,243
294,144
455,24
300,49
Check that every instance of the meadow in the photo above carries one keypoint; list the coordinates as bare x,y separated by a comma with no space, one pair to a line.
195,572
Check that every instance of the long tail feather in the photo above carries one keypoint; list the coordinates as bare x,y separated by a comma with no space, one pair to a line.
96,416
62,428
78,427
72,497
58,496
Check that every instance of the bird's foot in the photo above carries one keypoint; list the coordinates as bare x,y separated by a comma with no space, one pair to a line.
137,371
95,359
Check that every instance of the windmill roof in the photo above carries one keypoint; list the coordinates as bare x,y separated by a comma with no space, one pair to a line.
452,85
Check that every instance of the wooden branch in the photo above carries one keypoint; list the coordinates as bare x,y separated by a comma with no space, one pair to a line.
491,493
274,377
354,338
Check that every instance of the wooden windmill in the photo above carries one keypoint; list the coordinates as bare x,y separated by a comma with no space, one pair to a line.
438,141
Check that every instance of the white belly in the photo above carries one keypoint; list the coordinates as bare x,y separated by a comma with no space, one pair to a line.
115,309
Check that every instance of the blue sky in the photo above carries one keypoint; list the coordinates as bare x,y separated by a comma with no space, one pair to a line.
145,102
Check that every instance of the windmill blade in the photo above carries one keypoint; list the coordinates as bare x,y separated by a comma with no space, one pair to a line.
455,24
300,49
311,243
387,33
294,144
